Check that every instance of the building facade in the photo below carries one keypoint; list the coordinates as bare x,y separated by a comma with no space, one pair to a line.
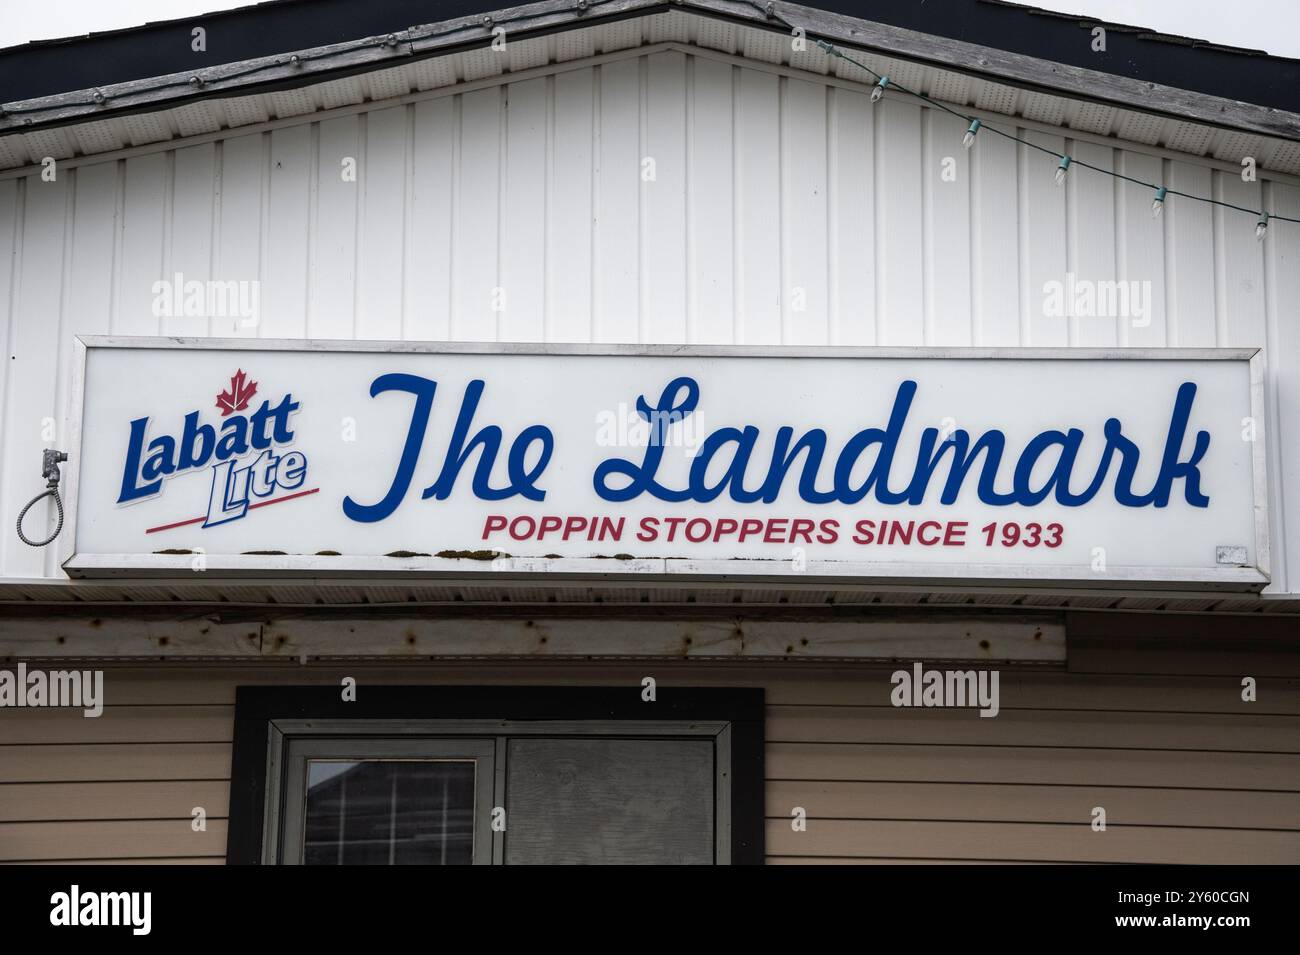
590,212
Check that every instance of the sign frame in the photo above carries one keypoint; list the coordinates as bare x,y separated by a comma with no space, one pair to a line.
736,572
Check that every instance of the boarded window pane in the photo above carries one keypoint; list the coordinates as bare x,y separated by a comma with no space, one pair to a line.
610,801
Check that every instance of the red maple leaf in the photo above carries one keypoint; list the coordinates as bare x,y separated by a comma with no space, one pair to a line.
240,394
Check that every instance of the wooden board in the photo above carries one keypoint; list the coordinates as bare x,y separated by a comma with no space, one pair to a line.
946,638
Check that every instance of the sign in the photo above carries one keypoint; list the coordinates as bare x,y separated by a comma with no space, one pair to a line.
235,456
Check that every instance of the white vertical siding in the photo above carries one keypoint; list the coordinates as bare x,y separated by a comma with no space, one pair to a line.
1190,233
1282,327
567,290
900,223
333,244
758,237
34,365
946,185
851,218
616,253
1092,240
241,238
994,243
804,209
711,204
288,245
1043,236
476,216
666,198
1140,249
523,212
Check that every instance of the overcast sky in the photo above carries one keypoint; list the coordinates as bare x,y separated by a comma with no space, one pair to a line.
1272,25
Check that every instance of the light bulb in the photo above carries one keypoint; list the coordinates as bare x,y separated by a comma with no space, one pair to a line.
879,90
1060,170
1158,204
968,140
1261,226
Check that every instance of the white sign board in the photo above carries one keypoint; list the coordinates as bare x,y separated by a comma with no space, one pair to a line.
291,457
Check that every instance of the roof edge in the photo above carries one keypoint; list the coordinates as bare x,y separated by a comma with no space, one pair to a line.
320,64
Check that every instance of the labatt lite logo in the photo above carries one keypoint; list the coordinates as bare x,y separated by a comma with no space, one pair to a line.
240,449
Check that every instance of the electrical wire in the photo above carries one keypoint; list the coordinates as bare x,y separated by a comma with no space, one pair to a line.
50,460
881,80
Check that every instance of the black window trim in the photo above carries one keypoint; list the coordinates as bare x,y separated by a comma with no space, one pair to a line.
258,708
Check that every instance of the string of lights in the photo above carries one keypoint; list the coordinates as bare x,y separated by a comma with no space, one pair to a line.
1064,160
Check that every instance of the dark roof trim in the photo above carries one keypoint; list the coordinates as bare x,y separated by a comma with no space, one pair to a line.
303,67
1049,75
48,67
319,64
1083,20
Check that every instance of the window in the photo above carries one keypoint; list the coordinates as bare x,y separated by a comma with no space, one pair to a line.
385,802
404,781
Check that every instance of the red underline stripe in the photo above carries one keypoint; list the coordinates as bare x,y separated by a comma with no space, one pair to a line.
200,520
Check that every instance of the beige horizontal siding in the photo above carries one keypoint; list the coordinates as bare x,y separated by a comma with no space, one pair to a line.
130,723
961,802
1033,727
108,840
171,860
120,724
155,799
1185,770
887,860
992,763
111,762
1014,842
790,683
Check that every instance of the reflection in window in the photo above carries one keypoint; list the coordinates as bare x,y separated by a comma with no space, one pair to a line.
389,812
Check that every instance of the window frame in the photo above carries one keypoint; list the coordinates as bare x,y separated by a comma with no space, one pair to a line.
268,719
283,844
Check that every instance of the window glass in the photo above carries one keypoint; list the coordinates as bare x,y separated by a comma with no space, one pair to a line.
389,812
